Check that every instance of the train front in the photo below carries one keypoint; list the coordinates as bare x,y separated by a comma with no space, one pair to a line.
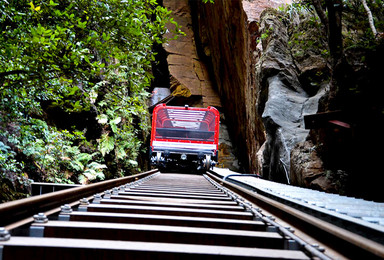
184,138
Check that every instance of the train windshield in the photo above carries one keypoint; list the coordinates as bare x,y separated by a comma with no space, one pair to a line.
184,124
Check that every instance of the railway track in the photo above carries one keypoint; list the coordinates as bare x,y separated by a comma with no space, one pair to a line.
169,216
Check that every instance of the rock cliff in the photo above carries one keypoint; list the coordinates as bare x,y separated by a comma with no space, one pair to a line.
258,83
259,80
270,70
190,80
186,69
287,98
227,31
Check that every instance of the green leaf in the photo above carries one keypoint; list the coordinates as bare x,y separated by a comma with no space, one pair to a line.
73,90
83,157
77,166
4,147
120,153
113,123
107,144
91,174
116,121
63,51
51,3
96,165
102,119
133,163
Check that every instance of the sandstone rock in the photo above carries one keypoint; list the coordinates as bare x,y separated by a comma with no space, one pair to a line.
228,32
185,66
178,89
189,76
260,158
259,83
306,166
307,170
322,183
308,52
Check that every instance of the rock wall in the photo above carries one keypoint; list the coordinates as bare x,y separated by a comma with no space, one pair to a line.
228,31
287,100
190,79
271,71
258,80
186,69
227,35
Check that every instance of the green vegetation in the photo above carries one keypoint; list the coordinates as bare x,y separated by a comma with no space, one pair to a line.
73,80
314,30
356,29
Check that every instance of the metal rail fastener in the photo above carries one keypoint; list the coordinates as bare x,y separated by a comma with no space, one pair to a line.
84,202
107,194
40,218
96,198
66,209
115,191
4,234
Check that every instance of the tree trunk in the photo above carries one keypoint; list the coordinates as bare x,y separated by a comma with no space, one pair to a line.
370,17
335,40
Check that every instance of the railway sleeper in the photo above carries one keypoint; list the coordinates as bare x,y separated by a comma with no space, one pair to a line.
176,195
179,189
236,224
174,211
155,190
169,204
158,233
174,200
62,248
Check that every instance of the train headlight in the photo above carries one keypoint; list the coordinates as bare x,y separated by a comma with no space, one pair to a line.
183,156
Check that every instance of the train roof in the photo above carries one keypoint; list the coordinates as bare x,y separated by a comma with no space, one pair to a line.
187,117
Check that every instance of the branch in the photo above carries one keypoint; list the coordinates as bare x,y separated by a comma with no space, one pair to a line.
370,18
7,73
321,13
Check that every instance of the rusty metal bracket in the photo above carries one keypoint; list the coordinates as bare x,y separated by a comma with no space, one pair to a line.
320,120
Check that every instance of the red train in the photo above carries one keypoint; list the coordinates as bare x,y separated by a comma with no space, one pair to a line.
184,137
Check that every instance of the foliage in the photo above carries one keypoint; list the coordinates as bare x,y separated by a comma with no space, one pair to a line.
77,56
303,25
12,179
357,33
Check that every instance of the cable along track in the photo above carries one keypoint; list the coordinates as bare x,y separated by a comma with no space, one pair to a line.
161,216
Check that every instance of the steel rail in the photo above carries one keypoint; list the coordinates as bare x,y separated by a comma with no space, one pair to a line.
343,241
22,210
